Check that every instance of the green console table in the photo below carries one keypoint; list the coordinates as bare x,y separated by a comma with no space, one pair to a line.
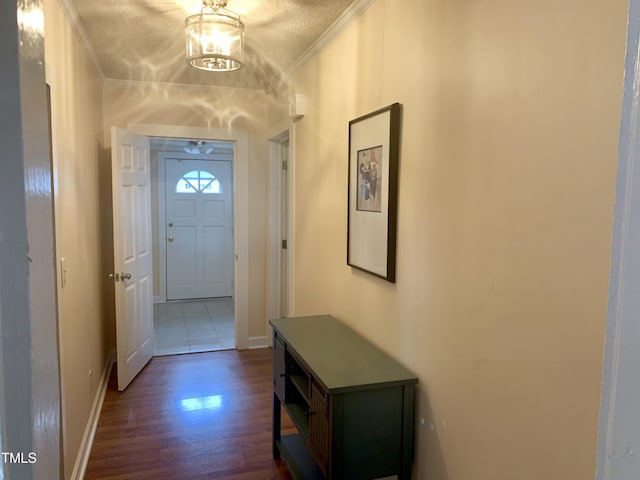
351,403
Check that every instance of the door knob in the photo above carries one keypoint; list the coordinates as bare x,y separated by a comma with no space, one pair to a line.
170,238
125,276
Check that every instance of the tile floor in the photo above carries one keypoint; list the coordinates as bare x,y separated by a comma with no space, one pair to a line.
194,326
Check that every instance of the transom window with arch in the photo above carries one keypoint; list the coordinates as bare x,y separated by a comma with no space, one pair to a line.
198,181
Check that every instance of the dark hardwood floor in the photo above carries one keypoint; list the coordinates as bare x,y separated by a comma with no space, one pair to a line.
196,416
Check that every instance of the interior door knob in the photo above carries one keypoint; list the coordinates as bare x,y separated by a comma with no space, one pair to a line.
170,238
125,276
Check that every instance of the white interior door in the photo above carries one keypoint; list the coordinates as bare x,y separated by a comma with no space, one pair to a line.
199,228
132,252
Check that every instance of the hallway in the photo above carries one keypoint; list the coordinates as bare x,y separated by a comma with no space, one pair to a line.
190,417
190,326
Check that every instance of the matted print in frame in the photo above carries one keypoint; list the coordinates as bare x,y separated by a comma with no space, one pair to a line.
373,192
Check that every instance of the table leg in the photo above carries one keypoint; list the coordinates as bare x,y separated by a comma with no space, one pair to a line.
276,426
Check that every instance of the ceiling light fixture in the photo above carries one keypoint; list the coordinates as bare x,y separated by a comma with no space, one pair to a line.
197,147
215,38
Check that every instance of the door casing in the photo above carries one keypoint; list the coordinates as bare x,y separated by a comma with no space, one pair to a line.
280,148
241,208
619,424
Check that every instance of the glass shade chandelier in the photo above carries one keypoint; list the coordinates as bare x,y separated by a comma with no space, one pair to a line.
215,38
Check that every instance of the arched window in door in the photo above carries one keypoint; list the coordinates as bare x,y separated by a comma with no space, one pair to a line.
198,181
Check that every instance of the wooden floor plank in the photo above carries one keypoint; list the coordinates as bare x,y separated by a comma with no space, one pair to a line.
190,417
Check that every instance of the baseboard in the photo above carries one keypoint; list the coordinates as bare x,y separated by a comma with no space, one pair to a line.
258,342
89,432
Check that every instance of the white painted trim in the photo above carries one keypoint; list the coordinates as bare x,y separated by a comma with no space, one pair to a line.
291,228
273,229
258,342
71,14
240,203
162,231
618,457
50,79
158,299
92,424
15,374
350,15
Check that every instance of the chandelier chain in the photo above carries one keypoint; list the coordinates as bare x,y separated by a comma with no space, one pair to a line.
214,5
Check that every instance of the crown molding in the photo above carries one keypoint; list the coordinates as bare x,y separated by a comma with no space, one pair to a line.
350,15
71,13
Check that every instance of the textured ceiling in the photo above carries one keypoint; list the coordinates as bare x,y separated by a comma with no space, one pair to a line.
143,40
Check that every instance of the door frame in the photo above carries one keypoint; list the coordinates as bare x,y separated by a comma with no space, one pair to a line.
240,211
162,213
60,262
619,426
278,150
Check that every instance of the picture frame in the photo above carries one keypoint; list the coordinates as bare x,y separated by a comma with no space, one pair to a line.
374,143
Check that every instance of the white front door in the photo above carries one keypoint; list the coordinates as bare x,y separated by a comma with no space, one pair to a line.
199,220
132,252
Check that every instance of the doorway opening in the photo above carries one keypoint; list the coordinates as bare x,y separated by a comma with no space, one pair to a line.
191,326
193,232
280,227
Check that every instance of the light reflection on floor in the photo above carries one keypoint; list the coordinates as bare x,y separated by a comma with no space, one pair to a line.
212,402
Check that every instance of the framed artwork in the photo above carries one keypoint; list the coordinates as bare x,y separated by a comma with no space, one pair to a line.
373,192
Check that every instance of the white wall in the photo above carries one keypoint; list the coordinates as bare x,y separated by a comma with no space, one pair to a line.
82,189
507,178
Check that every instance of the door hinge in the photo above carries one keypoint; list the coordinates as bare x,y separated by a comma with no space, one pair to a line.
284,244
285,165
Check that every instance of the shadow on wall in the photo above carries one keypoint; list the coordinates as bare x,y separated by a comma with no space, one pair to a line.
106,249
429,460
